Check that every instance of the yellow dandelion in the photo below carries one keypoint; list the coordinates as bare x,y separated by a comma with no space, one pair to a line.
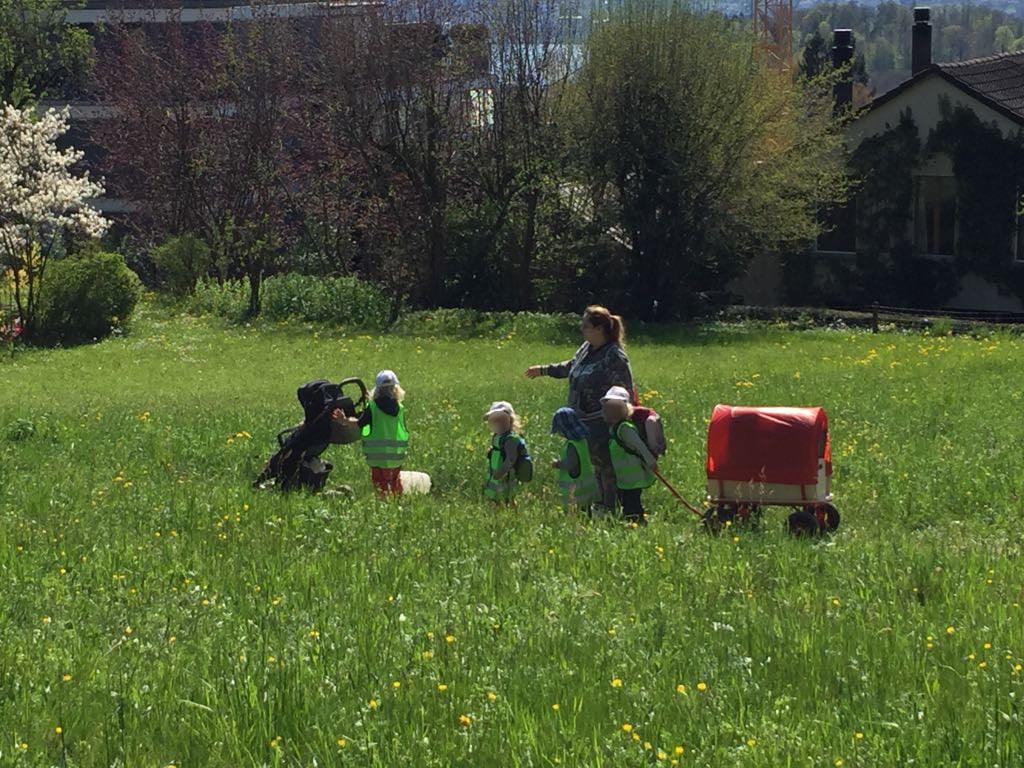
442,687
342,743
372,704
839,762
23,746
751,743
678,750
617,682
680,688
648,745
66,678
492,696
58,730
987,646
835,602
858,736
662,754
702,686
627,727
636,736
465,721
397,684
449,639
950,629
555,707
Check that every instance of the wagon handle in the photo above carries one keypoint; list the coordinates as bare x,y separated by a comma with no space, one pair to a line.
684,502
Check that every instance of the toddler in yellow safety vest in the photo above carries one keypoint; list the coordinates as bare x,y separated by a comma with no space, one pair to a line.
385,434
576,478
506,449
632,460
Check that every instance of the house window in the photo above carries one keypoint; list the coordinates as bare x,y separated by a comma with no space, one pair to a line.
935,215
839,229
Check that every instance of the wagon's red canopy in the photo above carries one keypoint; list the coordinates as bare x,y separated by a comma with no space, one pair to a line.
769,445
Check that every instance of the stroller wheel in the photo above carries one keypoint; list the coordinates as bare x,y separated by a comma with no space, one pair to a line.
803,523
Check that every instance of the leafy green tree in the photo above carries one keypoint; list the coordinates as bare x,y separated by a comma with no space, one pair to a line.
883,57
816,58
1005,39
41,55
706,157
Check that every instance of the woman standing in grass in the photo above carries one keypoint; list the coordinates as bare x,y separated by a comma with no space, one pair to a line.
598,365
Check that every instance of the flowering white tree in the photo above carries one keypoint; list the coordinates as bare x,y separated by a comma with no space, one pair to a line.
42,198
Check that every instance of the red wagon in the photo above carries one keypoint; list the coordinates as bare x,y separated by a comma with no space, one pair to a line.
760,457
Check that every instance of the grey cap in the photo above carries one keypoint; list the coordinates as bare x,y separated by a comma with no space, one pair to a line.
500,406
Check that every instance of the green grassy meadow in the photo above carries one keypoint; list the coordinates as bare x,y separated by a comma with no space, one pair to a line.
156,611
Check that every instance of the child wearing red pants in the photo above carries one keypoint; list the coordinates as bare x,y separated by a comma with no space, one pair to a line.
385,435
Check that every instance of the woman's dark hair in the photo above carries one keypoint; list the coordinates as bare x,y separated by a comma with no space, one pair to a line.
612,325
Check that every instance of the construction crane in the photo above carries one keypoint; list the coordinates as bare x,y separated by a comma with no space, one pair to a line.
773,33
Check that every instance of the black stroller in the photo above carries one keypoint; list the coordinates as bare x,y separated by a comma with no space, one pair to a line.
297,463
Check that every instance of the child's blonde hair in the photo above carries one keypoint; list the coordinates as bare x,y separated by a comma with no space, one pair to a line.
395,390
514,423
619,405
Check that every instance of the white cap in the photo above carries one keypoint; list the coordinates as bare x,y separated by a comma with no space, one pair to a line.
500,406
617,393
386,379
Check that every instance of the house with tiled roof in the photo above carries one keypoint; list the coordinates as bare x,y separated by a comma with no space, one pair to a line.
937,220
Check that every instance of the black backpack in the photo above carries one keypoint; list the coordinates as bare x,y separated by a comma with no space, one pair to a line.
524,461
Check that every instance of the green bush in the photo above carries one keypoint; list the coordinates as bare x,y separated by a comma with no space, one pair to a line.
229,299
471,323
340,300
181,262
86,297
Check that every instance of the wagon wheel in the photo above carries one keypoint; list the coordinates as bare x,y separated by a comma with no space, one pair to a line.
749,516
829,517
714,519
803,523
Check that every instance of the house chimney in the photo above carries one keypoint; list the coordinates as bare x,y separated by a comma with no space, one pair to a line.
921,41
842,59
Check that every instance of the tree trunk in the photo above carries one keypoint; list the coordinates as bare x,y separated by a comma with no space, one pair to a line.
529,246
255,284
437,250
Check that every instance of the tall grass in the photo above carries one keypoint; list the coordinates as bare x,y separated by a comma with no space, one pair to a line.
159,611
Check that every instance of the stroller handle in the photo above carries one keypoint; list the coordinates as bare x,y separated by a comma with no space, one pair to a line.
364,394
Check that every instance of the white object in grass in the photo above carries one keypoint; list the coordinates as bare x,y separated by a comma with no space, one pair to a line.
415,482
